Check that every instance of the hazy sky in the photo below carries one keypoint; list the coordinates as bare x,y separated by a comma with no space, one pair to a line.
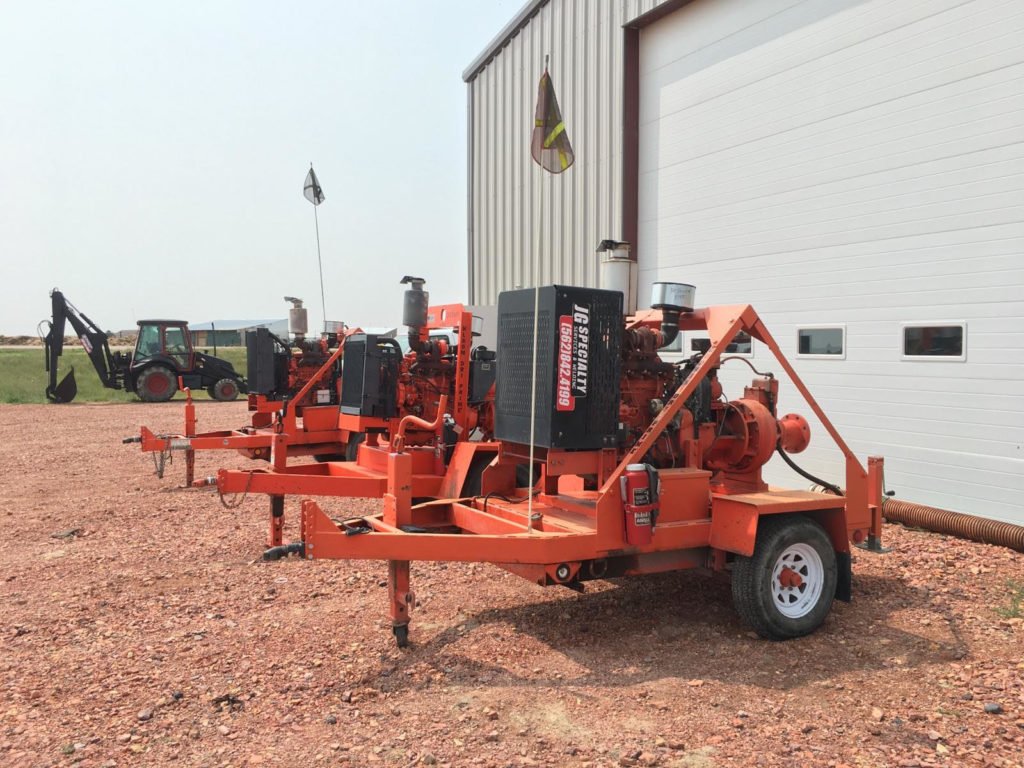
152,155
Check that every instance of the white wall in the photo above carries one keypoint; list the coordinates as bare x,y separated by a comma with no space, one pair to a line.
861,164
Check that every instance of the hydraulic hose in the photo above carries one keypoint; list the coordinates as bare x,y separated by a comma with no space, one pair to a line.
833,489
954,523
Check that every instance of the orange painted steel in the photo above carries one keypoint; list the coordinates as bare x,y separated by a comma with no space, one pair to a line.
476,513
312,430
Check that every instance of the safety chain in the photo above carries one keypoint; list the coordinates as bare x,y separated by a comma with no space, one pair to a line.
238,501
166,457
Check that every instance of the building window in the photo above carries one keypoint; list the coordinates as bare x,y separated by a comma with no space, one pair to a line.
742,344
675,347
821,341
935,342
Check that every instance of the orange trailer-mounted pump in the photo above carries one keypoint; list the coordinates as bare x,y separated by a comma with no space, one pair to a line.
295,391
640,466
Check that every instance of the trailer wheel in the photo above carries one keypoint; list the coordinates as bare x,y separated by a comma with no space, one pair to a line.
352,448
156,384
225,390
786,588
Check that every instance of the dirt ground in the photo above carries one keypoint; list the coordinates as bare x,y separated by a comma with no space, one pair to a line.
138,627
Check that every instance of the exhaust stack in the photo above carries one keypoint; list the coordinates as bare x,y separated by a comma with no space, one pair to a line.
618,272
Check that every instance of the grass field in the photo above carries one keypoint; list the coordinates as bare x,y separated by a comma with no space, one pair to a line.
23,376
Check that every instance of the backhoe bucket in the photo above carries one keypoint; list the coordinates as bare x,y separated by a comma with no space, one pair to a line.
65,391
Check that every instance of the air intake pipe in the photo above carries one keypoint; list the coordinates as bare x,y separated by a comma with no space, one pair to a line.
672,299
414,315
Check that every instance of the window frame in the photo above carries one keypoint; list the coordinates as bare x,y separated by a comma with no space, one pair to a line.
820,327
961,324
692,335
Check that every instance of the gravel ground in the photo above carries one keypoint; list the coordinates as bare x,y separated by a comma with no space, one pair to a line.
151,635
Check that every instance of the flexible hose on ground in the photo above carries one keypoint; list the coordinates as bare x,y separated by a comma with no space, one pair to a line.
954,523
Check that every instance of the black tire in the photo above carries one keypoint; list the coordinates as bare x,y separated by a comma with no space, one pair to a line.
475,474
352,448
762,599
401,633
225,390
156,384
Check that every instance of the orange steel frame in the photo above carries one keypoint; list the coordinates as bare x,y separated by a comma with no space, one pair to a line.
366,476
576,534
317,433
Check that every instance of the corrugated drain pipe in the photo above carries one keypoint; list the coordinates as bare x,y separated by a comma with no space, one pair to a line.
954,523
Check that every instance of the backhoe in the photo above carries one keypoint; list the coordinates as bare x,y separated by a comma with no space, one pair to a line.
163,353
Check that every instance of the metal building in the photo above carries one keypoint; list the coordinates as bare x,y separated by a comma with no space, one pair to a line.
852,168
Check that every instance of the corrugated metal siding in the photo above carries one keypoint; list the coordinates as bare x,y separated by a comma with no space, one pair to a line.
581,206
859,163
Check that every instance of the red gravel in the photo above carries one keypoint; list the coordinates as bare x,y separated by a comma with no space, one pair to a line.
153,636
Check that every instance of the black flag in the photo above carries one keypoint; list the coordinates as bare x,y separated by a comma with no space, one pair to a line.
311,190
550,145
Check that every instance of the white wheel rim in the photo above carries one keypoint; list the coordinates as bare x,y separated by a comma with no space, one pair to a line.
795,602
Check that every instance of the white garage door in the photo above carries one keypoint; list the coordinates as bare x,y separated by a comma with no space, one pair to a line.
857,166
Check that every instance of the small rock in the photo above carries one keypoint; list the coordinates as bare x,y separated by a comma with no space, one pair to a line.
934,735
147,714
346,697
223,730
660,742
941,749
695,683
807,729
491,736
877,714
331,720
177,695
993,708
124,738
428,759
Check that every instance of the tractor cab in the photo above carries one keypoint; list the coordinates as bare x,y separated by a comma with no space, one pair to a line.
164,338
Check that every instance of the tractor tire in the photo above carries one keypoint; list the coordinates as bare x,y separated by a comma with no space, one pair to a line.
156,384
785,589
225,390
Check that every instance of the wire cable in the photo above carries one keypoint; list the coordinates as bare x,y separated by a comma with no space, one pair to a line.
767,375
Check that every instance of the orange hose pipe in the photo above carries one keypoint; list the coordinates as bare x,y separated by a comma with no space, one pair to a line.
398,443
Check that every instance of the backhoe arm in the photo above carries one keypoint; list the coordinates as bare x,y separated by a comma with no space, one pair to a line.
94,341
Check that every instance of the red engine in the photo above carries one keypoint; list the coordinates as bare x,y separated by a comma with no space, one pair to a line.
733,438
384,382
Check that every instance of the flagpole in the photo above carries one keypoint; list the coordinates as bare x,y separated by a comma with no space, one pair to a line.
533,372
320,261
323,302
536,316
